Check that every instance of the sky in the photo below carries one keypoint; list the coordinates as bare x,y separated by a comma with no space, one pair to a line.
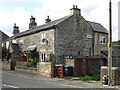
20,11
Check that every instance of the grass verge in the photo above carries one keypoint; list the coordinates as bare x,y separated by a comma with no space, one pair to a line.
89,78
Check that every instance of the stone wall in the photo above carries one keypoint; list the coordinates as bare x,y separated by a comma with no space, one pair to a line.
35,39
6,65
115,74
25,69
71,38
116,49
46,69
72,63
116,61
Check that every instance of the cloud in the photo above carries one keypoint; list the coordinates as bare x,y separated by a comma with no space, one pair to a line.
91,10
19,1
18,16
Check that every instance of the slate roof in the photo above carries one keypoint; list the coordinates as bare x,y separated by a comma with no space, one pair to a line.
41,27
97,27
3,36
30,48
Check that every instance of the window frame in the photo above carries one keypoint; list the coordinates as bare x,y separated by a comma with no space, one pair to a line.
102,40
42,57
42,36
21,42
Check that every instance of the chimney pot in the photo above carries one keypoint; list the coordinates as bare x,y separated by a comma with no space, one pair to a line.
32,23
47,20
75,10
15,29
73,6
76,6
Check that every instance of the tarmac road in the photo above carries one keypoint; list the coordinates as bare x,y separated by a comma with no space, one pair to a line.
12,79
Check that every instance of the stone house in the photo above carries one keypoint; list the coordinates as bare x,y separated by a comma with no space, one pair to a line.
100,38
71,35
3,37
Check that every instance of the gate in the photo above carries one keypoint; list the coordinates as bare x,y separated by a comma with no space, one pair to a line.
87,67
58,70
83,67
79,67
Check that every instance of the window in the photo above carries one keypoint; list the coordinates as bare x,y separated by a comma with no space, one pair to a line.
102,40
42,37
21,41
43,57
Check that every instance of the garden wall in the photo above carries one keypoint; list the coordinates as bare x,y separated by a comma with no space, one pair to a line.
25,69
21,67
6,65
46,69
115,74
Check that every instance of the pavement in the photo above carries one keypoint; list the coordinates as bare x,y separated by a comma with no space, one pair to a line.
69,83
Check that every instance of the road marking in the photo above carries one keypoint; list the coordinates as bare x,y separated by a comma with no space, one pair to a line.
10,86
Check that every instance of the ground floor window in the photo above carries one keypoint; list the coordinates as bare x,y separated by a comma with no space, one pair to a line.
43,57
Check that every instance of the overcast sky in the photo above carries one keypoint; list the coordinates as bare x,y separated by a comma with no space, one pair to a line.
20,11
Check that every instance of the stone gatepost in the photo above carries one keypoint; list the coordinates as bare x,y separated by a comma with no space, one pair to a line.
115,74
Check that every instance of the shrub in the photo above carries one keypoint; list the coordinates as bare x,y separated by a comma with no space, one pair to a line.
32,62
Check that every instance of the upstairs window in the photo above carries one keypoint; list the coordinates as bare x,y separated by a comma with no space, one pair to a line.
21,42
102,40
43,35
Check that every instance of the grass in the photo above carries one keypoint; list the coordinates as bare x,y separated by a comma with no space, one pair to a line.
89,78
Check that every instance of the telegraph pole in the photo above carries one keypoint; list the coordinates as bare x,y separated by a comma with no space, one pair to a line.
110,46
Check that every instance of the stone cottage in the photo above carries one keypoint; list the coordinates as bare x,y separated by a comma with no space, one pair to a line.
71,35
3,37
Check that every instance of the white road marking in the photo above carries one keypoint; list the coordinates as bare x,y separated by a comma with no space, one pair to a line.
10,86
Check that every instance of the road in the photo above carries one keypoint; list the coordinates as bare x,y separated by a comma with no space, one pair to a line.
11,79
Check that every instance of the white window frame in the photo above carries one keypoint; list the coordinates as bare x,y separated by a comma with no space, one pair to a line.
102,41
21,42
42,36
42,57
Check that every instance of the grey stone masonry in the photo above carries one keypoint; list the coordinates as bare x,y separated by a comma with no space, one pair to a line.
35,39
71,38
115,74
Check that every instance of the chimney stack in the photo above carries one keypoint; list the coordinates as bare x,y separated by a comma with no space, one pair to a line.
75,10
15,29
32,23
47,20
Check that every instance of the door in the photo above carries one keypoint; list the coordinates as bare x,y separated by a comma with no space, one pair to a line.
88,67
79,68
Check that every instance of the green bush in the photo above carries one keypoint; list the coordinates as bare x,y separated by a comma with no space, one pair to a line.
32,62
